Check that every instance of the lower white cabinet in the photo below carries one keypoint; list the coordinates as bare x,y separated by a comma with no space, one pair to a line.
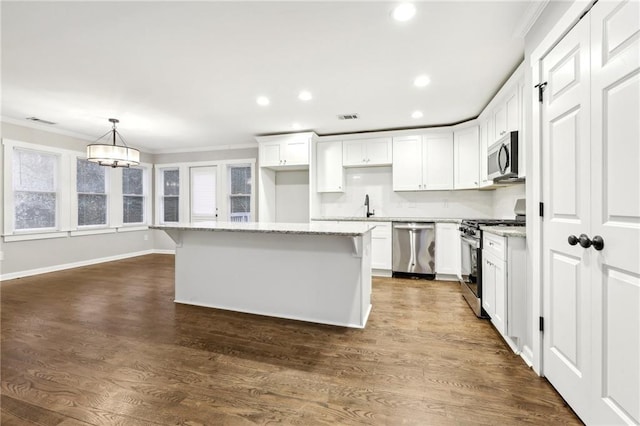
504,294
447,249
381,246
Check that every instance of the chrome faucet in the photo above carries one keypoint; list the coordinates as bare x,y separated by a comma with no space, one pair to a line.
366,203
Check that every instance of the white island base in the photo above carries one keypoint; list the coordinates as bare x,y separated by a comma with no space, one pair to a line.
311,272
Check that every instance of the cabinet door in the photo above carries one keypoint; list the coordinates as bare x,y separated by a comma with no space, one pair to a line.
329,171
466,163
499,318
513,112
438,161
488,285
381,246
407,163
378,151
353,153
499,122
485,137
447,249
270,154
296,152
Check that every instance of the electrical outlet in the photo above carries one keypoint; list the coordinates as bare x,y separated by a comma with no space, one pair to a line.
146,237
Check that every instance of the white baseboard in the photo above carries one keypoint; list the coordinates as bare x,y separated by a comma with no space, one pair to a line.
54,268
158,251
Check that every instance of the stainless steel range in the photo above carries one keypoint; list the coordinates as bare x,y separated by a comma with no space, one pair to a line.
471,271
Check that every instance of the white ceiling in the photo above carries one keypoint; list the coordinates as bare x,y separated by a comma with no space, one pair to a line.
185,75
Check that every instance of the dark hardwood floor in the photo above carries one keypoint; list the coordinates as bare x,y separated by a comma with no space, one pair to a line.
105,344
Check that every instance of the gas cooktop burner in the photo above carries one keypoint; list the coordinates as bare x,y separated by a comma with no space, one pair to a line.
476,223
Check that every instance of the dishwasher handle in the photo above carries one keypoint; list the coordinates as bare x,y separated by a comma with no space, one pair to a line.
415,227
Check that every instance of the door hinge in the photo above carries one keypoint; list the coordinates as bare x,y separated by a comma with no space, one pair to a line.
541,209
540,87
541,323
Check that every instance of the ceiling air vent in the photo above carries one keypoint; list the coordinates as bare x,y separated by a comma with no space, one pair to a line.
353,116
41,121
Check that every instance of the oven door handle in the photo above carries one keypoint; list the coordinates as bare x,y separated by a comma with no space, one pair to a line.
471,241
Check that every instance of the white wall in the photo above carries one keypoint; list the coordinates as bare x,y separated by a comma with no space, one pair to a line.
22,256
292,196
377,182
504,199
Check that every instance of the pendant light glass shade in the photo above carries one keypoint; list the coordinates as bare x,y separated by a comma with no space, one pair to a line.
113,155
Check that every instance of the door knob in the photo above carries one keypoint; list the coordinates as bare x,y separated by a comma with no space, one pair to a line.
584,241
598,242
573,240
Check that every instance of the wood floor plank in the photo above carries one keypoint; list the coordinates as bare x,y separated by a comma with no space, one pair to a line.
106,344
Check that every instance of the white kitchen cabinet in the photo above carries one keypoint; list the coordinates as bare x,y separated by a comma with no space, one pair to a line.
407,163
381,246
504,286
485,137
366,152
423,162
447,250
466,150
506,116
285,151
329,171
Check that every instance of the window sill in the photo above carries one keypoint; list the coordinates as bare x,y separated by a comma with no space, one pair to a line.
35,236
133,228
96,231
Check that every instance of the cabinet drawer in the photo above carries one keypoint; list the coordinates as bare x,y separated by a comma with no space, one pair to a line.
494,245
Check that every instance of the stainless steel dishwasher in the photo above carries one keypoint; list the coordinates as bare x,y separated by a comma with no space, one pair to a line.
414,249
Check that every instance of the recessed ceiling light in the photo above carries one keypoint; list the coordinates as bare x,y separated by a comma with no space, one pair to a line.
296,126
305,96
421,81
403,12
416,114
262,100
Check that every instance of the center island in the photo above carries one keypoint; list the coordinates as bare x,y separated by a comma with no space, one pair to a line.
317,272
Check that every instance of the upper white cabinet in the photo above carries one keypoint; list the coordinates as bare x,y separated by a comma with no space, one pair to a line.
329,171
284,151
486,134
366,152
423,162
466,150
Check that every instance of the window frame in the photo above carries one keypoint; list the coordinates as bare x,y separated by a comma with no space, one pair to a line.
107,193
185,187
159,170
147,213
231,195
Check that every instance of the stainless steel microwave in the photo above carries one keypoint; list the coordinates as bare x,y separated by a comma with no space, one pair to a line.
502,158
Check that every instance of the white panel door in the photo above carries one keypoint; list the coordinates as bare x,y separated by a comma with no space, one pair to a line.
615,192
354,153
407,163
488,285
565,175
438,161
296,152
204,202
270,154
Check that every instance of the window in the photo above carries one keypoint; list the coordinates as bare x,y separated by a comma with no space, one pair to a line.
133,195
170,195
35,191
240,193
91,186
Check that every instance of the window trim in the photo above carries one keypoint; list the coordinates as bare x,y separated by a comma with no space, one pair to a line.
146,201
90,229
222,187
230,195
159,199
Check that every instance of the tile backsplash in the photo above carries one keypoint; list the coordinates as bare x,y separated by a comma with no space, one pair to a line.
376,181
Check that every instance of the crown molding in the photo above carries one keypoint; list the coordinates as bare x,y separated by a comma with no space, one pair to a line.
529,17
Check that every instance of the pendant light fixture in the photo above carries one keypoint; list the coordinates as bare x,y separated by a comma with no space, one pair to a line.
113,155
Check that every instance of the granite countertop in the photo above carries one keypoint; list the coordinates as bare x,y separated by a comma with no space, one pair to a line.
386,219
342,229
506,231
